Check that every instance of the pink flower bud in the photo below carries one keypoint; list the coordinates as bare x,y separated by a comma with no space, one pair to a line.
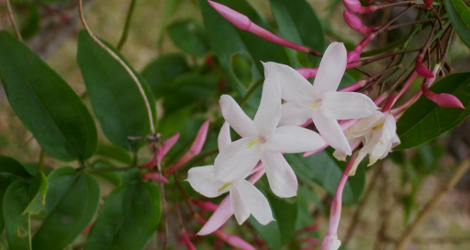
244,23
421,69
205,205
195,149
442,99
428,3
233,240
356,7
167,145
355,23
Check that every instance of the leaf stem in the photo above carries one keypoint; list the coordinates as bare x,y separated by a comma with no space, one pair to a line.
125,32
12,20
123,64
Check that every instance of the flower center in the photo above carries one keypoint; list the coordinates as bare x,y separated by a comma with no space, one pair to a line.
224,186
378,126
315,104
261,139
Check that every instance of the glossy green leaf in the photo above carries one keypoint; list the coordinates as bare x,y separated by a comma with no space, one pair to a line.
115,98
322,169
238,41
44,102
12,166
114,153
458,23
189,36
424,120
71,202
128,218
37,203
170,7
17,225
163,70
285,213
298,23
4,183
463,11
30,26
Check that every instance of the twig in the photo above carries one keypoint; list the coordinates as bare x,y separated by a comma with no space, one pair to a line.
12,21
123,38
431,204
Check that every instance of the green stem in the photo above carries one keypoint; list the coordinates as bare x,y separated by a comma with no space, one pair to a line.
123,38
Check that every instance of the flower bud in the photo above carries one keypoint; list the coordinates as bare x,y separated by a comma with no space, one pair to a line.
428,3
421,69
355,23
356,7
442,99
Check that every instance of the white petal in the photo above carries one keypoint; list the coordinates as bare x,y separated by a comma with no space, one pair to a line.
235,116
218,218
236,160
389,128
254,200
347,105
269,112
294,87
293,114
331,69
281,177
331,132
293,139
240,208
202,179
365,125
224,139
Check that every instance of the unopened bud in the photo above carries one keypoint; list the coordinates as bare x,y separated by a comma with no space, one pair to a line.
355,23
421,69
356,7
442,99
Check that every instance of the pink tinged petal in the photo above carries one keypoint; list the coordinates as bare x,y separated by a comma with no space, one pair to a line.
224,139
218,218
307,72
167,145
235,117
239,206
281,177
347,105
237,160
293,139
269,112
294,87
202,179
331,69
331,132
244,23
293,114
254,200
330,243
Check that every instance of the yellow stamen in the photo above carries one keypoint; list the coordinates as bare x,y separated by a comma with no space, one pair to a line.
378,126
251,143
314,105
224,186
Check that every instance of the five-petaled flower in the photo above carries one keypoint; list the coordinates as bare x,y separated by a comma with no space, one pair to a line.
321,102
262,139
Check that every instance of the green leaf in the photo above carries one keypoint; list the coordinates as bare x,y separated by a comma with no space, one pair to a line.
44,102
12,166
458,23
463,10
189,36
163,70
114,153
30,25
115,98
424,120
285,213
71,201
170,7
111,176
322,169
128,218
17,225
298,23
38,201
239,41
